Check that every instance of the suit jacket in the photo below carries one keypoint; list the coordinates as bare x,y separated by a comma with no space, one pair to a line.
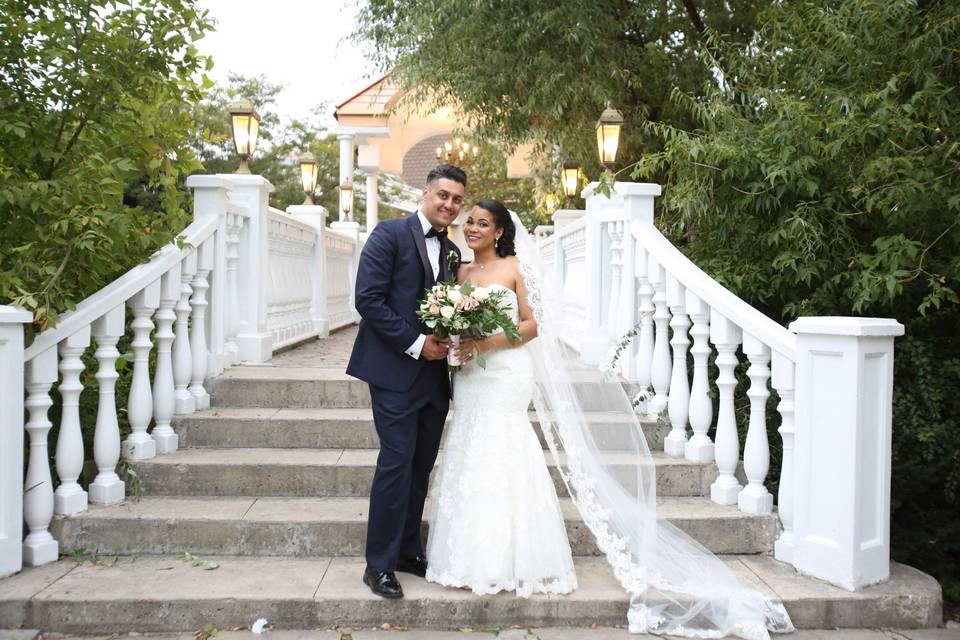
393,273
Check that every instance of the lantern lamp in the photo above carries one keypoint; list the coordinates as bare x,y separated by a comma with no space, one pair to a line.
570,176
309,171
245,122
608,136
346,199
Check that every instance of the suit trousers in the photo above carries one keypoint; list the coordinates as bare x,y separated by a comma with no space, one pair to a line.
409,425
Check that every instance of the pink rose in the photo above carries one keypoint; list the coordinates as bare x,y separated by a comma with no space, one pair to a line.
470,304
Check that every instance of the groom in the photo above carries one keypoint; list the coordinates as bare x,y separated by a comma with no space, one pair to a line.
406,370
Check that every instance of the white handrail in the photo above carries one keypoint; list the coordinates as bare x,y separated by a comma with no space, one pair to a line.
716,296
120,290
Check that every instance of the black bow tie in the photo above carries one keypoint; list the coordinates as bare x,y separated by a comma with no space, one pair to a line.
433,233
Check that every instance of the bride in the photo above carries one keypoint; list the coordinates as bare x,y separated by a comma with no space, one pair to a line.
497,523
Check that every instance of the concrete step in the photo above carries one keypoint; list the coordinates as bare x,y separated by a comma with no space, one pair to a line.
165,594
303,527
345,472
310,387
337,428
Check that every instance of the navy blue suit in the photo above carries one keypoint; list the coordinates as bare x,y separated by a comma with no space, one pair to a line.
410,398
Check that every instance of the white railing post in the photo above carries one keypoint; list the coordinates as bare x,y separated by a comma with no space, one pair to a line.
660,367
11,438
231,323
39,547
164,400
254,339
843,448
726,336
182,357
783,381
645,309
70,498
638,201
351,228
595,341
679,403
139,445
756,450
107,488
198,325
699,448
210,200
316,217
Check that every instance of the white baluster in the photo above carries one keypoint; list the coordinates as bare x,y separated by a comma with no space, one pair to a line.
726,336
756,451
70,498
783,382
645,339
679,405
39,547
107,488
182,357
660,366
230,350
198,335
139,445
164,401
615,231
700,448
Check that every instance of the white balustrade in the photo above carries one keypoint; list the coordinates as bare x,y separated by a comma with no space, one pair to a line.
645,339
107,487
660,366
233,227
316,217
783,381
726,336
614,230
679,403
164,401
184,402
198,326
70,498
699,448
341,251
12,321
756,451
39,547
254,339
291,243
139,445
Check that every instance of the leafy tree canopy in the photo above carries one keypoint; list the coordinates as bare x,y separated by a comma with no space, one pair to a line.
94,119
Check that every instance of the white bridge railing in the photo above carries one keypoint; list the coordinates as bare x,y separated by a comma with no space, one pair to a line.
244,280
833,376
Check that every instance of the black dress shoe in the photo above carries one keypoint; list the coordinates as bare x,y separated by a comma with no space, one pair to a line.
383,583
417,566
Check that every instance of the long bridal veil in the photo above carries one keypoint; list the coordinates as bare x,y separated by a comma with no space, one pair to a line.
676,586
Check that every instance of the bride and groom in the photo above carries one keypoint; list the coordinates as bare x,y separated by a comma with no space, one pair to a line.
496,523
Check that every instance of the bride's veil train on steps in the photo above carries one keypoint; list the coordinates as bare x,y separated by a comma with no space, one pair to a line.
676,586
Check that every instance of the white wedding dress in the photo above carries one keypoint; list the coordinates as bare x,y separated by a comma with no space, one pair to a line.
496,523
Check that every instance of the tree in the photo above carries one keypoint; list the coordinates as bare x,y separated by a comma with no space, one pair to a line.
94,119
543,70
823,178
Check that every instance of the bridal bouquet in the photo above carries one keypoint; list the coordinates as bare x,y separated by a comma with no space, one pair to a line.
453,310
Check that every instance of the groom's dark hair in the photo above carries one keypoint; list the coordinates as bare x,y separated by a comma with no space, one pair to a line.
449,172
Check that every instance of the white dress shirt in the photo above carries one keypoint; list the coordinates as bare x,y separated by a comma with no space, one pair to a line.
433,253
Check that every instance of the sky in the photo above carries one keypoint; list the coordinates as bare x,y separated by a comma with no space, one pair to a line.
301,44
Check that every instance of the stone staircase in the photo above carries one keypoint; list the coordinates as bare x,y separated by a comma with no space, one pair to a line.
270,486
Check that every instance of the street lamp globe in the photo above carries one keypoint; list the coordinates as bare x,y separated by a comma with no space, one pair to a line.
346,199
309,172
570,176
608,136
245,122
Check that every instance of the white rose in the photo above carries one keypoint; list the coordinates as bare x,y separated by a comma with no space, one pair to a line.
455,296
446,312
481,293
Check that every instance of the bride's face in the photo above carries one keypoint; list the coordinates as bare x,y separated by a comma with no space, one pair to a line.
480,229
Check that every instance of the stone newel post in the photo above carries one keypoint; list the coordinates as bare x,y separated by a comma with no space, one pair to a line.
844,385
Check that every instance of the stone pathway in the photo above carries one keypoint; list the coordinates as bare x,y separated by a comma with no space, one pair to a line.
333,351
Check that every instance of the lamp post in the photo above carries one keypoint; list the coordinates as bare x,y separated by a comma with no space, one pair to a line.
608,136
309,171
346,201
245,122
570,177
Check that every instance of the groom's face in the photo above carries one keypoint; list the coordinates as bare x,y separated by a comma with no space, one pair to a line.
442,201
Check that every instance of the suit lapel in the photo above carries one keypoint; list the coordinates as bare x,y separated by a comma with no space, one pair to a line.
421,243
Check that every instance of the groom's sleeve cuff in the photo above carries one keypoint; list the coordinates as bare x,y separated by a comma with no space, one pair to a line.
414,350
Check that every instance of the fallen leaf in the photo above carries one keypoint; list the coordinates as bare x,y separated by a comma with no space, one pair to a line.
593,626
465,629
385,626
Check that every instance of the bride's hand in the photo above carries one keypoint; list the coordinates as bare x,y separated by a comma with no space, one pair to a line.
468,349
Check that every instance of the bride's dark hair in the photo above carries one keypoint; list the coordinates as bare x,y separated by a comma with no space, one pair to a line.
502,220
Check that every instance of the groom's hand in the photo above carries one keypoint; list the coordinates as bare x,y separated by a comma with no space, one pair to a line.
434,349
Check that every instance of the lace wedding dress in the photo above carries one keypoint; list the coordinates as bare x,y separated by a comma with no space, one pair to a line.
496,523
